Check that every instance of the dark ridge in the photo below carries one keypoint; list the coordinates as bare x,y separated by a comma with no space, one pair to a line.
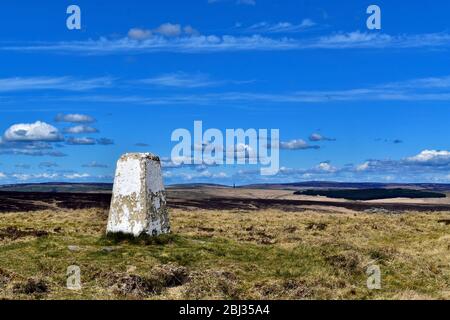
372,194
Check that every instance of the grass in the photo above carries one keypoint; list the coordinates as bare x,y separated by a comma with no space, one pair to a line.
227,255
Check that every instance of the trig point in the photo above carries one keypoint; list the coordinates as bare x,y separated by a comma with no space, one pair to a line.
138,204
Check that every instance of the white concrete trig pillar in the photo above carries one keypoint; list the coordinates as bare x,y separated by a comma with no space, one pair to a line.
138,204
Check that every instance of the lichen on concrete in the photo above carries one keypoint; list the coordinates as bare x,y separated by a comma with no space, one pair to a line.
138,205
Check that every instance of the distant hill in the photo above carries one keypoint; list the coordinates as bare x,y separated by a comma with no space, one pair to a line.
320,185
59,187
88,187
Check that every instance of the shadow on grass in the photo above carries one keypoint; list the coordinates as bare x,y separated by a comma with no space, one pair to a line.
143,239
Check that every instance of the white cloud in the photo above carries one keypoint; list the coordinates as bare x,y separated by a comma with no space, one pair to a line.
36,176
81,141
408,90
220,175
327,167
169,30
296,144
55,83
364,166
74,118
46,176
170,38
431,157
318,137
74,176
139,34
28,132
280,27
3,175
80,129
181,80
423,83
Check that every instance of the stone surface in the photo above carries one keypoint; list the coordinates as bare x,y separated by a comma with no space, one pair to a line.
138,205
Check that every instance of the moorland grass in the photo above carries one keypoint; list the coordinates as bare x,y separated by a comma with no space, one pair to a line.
228,255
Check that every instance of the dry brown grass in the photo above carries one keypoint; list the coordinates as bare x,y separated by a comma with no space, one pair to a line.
221,255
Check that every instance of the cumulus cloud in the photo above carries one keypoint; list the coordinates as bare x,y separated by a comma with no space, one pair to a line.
426,162
428,166
28,147
74,118
431,157
326,166
28,132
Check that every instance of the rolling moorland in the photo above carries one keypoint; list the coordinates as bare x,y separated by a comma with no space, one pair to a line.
258,242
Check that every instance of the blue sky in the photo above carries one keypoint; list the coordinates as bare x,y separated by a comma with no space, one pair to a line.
351,104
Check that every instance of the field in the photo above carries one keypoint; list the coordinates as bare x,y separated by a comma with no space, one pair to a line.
228,244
